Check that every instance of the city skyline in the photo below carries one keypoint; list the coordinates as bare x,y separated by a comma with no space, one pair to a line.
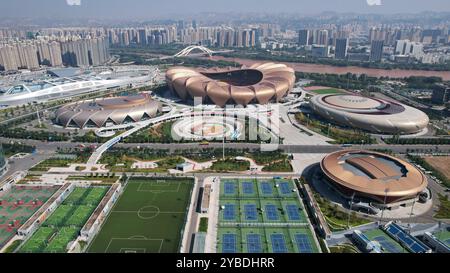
139,9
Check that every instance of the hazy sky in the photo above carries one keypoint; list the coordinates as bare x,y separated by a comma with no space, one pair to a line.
130,9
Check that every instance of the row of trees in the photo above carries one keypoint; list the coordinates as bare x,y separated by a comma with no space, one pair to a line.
411,141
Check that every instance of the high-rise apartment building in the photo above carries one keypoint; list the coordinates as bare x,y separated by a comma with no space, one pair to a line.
340,51
376,50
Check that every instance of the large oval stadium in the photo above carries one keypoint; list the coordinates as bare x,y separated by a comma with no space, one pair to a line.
378,177
108,112
369,114
259,83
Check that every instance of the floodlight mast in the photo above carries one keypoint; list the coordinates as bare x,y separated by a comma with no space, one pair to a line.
349,211
384,204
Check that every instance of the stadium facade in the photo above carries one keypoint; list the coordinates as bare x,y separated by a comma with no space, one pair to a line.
258,84
107,112
369,114
373,177
60,84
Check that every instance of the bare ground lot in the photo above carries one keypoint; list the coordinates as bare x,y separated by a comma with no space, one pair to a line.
440,163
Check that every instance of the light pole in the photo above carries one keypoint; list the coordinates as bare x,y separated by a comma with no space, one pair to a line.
348,218
384,204
223,147
410,215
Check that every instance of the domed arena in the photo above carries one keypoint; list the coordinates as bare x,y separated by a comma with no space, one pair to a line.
378,177
108,112
369,114
257,84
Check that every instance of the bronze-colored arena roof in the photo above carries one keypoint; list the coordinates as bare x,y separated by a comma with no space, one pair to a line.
373,174
107,111
259,83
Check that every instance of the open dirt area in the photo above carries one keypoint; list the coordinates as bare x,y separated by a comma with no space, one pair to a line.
441,163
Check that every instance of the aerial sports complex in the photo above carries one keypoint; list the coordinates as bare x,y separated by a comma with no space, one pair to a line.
369,114
259,83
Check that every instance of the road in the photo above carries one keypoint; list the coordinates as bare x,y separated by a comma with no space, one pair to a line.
289,148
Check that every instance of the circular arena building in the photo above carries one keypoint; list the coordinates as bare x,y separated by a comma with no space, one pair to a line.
258,84
372,176
369,114
108,112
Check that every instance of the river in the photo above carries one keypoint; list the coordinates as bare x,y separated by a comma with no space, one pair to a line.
329,69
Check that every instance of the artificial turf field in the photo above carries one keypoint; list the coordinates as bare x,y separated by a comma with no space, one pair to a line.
388,244
444,236
149,217
65,223
262,216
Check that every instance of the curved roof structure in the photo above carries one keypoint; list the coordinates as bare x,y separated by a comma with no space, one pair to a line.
108,111
373,175
259,83
370,114
47,86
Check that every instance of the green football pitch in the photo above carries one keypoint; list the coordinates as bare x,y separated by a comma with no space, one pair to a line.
148,217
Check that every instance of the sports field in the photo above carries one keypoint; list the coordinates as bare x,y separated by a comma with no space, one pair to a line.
65,223
262,216
444,236
17,205
148,217
322,90
387,244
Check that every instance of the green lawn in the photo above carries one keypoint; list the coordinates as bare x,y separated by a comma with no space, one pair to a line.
59,216
327,91
76,196
444,208
154,211
65,223
203,225
229,165
80,216
59,243
38,240
376,234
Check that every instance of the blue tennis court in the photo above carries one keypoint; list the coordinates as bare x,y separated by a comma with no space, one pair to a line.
271,212
387,245
229,213
278,243
250,212
254,243
247,187
229,188
411,242
229,243
285,188
292,212
303,243
266,188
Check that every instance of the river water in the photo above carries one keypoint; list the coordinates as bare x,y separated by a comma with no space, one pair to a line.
324,69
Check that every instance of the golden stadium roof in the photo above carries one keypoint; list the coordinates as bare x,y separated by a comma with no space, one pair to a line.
259,83
373,173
